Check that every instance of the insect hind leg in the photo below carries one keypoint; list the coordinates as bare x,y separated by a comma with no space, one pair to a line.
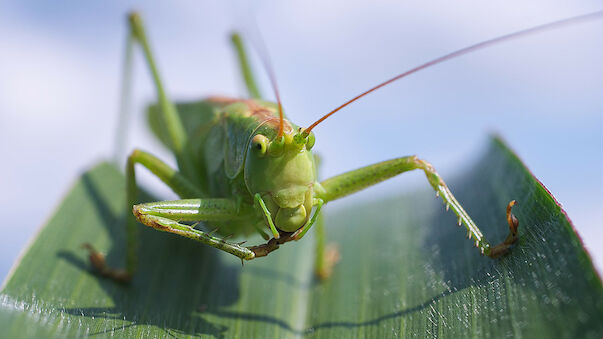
176,181
503,248
248,78
442,190
353,181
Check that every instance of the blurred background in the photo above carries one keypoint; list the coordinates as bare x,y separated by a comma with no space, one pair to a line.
60,67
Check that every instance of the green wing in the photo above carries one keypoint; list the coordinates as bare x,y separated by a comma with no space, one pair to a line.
240,125
197,118
238,129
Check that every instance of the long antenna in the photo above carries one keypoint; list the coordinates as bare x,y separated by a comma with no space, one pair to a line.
262,51
466,50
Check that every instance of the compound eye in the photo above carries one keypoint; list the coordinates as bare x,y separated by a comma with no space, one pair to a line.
311,141
259,144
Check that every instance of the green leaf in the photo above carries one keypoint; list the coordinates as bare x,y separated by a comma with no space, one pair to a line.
406,270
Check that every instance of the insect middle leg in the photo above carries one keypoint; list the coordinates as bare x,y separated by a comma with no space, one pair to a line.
353,181
327,255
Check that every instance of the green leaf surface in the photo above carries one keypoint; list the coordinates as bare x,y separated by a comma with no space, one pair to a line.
406,270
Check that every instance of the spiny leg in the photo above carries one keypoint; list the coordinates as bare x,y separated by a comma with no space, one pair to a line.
164,216
248,77
353,181
172,178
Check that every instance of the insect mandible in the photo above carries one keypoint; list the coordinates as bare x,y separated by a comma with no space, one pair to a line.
244,168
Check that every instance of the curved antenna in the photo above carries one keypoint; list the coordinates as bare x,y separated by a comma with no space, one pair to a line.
466,50
262,51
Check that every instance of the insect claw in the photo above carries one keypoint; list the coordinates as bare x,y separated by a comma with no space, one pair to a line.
437,194
459,223
447,207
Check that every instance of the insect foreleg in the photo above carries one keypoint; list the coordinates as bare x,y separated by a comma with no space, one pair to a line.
353,181
257,198
302,231
164,216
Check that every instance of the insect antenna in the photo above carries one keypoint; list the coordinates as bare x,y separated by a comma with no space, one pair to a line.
466,50
264,57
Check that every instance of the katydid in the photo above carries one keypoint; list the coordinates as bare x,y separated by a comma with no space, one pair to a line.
244,168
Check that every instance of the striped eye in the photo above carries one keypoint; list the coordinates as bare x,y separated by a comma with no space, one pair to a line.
259,144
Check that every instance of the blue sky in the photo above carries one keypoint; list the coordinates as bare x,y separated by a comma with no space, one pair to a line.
60,68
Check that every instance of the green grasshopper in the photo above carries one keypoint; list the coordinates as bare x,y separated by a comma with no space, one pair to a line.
244,168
